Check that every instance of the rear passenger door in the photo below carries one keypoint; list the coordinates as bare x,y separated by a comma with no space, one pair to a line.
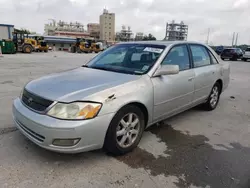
205,71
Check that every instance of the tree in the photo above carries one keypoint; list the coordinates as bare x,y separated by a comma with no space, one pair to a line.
149,37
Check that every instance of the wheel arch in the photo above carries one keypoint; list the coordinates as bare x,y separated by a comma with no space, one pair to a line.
141,106
219,81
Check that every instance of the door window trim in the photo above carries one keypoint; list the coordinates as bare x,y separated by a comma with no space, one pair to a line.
189,55
211,54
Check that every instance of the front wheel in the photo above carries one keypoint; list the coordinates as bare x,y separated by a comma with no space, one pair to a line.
213,98
125,130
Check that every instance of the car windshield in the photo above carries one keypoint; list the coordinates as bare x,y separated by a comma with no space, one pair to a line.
127,58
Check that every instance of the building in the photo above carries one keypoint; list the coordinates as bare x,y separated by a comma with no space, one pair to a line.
94,30
6,31
107,26
125,34
62,28
139,36
176,31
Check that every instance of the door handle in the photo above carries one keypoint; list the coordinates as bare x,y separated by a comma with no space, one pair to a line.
190,79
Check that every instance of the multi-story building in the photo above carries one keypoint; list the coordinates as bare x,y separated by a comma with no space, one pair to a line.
107,26
176,31
94,30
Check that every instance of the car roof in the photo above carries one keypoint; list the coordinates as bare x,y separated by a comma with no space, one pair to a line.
160,42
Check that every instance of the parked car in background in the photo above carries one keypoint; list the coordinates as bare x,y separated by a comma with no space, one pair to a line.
108,102
232,54
219,50
246,54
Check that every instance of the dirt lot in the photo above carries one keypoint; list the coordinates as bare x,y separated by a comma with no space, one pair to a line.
193,149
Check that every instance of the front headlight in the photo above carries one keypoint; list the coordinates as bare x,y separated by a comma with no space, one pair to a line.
75,110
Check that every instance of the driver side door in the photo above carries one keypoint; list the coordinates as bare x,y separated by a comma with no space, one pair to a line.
174,93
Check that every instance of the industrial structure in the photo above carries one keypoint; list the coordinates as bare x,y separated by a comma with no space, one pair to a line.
94,30
139,36
125,34
6,31
107,26
62,28
176,31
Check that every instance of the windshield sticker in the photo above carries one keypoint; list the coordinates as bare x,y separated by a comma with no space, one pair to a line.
155,50
144,68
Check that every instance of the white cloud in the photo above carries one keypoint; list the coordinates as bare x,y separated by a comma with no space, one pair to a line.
223,17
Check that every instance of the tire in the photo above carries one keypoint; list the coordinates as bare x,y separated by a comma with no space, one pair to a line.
119,145
78,50
211,105
243,59
233,59
27,49
223,59
45,51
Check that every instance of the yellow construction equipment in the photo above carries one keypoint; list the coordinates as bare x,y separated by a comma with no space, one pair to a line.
23,43
42,46
86,45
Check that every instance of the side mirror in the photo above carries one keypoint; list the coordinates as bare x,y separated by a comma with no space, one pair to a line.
167,70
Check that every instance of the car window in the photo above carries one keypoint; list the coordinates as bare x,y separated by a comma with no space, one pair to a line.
248,50
178,55
137,56
200,56
128,58
213,59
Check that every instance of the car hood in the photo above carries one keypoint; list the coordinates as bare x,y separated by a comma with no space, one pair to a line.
77,84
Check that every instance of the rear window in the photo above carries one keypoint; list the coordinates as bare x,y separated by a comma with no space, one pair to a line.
248,50
229,50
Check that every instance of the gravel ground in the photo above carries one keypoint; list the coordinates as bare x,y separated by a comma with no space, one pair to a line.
193,149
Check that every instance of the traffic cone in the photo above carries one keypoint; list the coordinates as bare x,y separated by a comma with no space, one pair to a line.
1,54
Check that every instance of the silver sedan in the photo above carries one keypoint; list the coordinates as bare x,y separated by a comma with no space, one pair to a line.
108,102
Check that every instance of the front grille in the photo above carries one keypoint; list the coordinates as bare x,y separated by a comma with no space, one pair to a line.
33,134
35,102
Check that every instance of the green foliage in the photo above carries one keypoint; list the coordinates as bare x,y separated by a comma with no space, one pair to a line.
149,37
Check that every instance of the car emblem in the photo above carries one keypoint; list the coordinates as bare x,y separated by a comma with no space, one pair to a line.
30,100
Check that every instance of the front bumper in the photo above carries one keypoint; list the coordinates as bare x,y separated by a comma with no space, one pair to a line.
42,129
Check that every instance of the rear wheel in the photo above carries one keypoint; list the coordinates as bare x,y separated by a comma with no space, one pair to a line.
78,50
125,130
243,59
213,98
27,49
223,59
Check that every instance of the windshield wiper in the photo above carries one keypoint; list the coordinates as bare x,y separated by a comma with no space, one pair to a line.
85,66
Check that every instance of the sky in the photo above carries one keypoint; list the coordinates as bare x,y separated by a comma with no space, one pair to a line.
222,17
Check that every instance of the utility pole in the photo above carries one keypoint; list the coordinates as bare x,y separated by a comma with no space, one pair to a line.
208,33
233,40
236,40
